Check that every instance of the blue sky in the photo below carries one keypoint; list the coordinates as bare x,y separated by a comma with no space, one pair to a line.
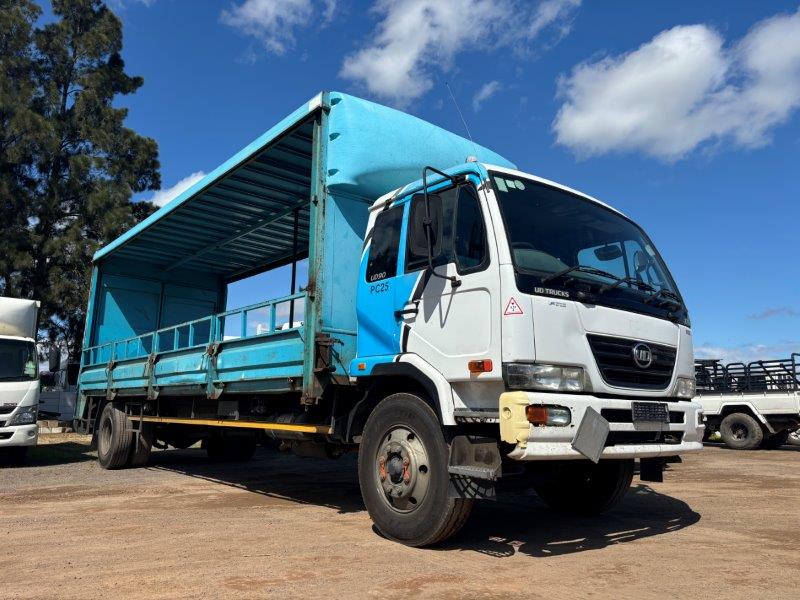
683,115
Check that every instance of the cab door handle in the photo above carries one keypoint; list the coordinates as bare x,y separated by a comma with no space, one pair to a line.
412,308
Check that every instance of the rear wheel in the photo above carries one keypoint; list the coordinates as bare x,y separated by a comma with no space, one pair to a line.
775,440
142,444
403,474
740,431
586,488
229,446
114,437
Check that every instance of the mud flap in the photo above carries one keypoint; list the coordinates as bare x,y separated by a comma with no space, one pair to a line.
474,466
652,469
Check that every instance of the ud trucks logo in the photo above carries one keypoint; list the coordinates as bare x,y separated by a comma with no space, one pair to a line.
642,356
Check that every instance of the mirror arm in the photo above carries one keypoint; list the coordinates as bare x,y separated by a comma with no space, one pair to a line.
454,281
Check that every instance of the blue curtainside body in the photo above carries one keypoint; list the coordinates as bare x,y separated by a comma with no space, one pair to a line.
156,322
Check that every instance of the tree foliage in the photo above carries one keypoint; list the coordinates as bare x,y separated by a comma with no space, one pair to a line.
68,164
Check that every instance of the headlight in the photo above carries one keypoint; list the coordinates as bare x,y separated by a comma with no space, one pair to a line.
26,416
554,378
685,387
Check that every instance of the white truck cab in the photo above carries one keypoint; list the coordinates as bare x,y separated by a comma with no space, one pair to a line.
541,303
19,376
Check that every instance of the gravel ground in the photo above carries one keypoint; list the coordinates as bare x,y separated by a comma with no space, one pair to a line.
724,525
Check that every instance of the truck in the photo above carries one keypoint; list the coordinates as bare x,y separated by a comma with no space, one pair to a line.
59,387
751,405
19,377
464,324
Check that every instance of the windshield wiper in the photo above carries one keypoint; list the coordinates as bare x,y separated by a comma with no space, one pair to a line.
582,269
629,280
666,297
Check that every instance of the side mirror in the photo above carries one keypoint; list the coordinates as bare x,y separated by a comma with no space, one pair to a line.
54,359
419,236
609,252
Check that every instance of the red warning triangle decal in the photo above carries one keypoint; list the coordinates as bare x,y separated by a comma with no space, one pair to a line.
513,308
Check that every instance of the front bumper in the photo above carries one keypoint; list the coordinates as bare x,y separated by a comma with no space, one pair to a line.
626,439
19,435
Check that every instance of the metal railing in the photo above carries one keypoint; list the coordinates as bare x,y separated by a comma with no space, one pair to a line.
259,319
780,375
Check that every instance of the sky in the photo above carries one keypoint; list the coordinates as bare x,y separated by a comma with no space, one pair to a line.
683,115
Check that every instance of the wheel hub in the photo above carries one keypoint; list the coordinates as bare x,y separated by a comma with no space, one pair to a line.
402,469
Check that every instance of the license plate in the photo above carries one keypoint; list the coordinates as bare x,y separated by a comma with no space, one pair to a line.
650,412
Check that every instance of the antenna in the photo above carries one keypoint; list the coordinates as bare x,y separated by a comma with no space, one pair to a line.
460,114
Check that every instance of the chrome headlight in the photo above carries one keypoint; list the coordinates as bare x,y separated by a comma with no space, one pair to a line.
685,387
26,416
553,378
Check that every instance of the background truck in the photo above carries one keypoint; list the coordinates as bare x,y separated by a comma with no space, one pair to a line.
475,324
19,377
59,388
751,405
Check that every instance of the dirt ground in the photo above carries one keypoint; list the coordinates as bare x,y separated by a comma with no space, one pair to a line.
725,524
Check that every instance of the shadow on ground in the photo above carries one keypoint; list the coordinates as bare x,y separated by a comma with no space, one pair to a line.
329,483
45,455
523,524
515,523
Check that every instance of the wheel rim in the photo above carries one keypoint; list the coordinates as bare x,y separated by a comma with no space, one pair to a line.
402,470
739,431
104,439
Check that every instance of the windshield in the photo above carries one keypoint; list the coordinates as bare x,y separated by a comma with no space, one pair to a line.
559,239
17,360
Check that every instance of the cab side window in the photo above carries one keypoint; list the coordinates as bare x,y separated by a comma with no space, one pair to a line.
383,250
463,232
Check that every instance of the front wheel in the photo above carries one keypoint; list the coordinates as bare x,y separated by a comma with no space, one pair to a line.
585,488
740,431
403,474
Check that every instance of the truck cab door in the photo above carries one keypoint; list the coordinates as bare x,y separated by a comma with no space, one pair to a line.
378,328
450,326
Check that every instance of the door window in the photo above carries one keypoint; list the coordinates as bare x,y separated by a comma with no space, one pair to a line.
463,232
383,249
469,232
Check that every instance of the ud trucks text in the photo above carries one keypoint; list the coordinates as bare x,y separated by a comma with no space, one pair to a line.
19,377
462,323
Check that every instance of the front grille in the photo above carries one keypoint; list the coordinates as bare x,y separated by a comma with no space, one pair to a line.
7,408
6,436
614,358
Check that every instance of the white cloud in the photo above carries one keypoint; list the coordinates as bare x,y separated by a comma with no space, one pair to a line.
747,352
486,91
775,311
163,196
415,38
274,21
682,89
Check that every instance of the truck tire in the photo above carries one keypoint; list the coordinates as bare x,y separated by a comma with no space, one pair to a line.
141,445
740,431
226,446
775,440
585,488
403,473
114,437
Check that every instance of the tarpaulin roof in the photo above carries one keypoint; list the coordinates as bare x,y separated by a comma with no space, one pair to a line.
241,215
